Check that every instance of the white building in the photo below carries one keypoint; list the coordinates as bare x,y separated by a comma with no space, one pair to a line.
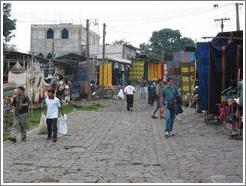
60,39
123,51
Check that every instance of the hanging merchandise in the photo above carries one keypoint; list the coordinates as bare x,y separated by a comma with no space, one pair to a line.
184,57
225,66
18,79
187,78
33,80
202,67
17,75
137,71
105,75
155,71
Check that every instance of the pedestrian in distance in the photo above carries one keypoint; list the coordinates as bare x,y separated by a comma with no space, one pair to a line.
170,95
143,88
21,104
151,93
129,90
60,91
51,109
158,99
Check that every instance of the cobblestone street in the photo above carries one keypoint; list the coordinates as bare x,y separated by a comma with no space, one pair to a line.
116,146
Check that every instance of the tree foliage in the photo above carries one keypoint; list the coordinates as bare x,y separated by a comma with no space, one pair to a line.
120,42
166,41
9,25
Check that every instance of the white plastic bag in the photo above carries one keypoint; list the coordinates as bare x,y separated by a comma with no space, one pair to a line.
62,125
121,94
42,128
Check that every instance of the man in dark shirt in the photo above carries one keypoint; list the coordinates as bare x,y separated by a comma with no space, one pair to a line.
21,104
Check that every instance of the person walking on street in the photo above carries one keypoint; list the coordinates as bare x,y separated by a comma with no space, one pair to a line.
169,93
151,93
158,99
21,104
52,109
143,88
129,91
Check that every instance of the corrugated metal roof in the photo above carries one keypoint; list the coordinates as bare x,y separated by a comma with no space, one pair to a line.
113,58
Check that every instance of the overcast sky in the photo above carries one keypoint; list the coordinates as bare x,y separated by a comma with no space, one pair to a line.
133,21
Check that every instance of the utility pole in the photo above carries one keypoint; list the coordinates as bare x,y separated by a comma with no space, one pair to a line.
237,15
207,37
87,40
88,55
104,34
222,20
53,49
103,52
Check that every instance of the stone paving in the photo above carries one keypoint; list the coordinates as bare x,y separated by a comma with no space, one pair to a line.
116,146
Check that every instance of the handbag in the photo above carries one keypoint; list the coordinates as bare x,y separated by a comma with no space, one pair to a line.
42,128
171,105
62,125
178,109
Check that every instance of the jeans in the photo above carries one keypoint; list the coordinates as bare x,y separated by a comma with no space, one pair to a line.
52,127
170,115
142,92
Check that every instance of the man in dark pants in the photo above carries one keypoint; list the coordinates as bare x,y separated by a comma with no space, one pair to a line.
52,108
129,91
21,103
158,99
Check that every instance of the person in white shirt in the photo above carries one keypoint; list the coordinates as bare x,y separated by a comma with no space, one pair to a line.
52,110
129,91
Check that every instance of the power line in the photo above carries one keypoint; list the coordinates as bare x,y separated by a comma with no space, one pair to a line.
222,20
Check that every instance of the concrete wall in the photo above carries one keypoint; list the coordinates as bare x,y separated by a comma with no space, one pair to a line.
114,50
74,43
129,53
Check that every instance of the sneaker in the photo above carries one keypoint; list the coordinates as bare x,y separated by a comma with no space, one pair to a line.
48,138
154,117
162,117
54,140
12,139
167,134
171,134
131,109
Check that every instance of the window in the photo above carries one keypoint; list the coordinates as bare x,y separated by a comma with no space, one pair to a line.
50,34
64,33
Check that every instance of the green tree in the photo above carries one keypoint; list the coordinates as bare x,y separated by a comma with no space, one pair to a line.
9,47
9,25
120,42
186,42
144,47
166,41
